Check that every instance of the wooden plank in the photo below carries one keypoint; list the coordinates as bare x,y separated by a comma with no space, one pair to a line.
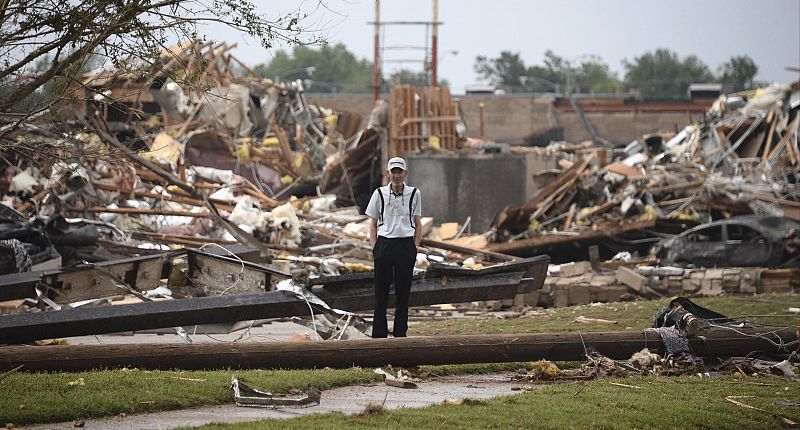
221,204
568,177
136,211
770,135
532,244
785,138
286,149
467,250
397,352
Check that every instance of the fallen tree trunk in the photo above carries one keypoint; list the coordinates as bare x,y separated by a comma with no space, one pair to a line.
402,352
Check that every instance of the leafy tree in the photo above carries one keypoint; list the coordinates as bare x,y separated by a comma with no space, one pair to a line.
504,70
738,72
331,68
661,74
44,43
408,77
555,74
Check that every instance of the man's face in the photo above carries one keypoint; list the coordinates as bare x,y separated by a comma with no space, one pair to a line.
397,175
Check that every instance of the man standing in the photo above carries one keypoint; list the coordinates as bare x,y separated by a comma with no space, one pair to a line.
395,212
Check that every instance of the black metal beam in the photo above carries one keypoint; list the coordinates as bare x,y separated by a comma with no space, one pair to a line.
22,285
22,328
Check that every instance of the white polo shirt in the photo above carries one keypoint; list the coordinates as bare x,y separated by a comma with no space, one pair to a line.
397,219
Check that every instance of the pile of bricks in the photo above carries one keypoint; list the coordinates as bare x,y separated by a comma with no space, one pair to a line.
579,283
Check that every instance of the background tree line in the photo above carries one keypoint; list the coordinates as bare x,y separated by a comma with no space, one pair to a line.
656,75
333,69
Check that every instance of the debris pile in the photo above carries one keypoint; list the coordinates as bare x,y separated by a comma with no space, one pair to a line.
180,190
741,158
580,283
676,324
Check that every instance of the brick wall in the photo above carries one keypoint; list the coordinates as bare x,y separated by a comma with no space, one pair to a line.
511,118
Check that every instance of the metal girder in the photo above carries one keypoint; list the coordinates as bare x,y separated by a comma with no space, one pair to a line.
20,328
219,274
66,285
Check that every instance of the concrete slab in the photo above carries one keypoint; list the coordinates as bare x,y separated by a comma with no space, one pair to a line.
347,400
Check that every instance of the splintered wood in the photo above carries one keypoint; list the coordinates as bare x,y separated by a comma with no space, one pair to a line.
421,118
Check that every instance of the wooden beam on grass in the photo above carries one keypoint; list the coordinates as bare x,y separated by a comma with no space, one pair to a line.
397,352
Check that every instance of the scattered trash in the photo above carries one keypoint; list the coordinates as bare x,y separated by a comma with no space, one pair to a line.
733,399
399,381
582,319
244,395
77,383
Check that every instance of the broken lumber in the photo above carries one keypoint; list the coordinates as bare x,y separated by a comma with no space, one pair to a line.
485,253
398,352
526,246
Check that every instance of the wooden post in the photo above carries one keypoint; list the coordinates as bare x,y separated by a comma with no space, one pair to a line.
398,352
483,129
435,44
376,82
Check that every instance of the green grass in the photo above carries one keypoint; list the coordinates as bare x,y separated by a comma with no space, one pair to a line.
674,403
27,398
629,316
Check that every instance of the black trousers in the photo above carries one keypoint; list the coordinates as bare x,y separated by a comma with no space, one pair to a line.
394,261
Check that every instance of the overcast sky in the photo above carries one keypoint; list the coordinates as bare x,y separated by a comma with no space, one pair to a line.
714,30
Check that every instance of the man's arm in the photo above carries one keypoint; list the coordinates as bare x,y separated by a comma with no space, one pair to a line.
373,231
418,230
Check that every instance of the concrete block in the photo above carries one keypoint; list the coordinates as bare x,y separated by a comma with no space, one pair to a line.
560,298
714,273
632,279
690,286
564,282
749,281
674,285
696,274
580,295
598,292
603,280
527,299
575,269
615,293
711,287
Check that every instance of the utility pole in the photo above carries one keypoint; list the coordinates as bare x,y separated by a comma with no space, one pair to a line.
435,45
376,83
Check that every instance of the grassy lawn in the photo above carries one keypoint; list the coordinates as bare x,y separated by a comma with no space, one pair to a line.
674,403
629,316
27,398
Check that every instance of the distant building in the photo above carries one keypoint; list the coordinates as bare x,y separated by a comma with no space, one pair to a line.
487,89
701,92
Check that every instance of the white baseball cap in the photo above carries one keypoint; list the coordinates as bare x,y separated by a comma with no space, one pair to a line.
396,162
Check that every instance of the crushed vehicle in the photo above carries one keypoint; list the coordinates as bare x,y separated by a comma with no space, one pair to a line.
744,241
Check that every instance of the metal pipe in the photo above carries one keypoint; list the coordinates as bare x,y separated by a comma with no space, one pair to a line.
376,84
435,45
